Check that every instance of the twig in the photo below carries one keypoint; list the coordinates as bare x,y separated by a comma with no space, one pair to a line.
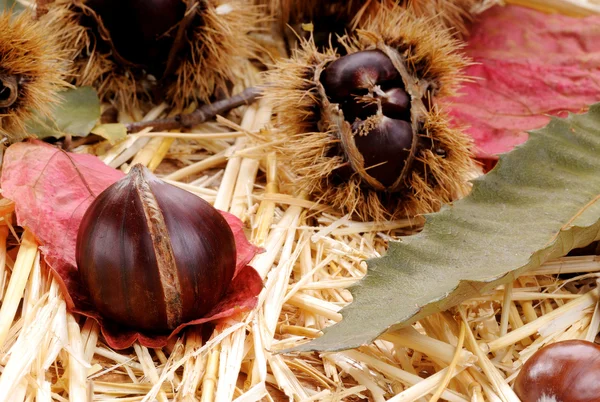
200,115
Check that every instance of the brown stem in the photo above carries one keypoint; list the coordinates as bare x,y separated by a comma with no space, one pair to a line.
200,115
9,90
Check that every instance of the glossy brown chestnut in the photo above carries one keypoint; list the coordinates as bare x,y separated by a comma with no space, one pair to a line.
153,256
385,148
395,103
141,31
567,371
360,70
365,85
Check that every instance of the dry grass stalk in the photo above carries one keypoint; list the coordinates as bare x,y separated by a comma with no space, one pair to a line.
312,253
16,285
192,136
76,365
587,300
200,166
248,167
265,213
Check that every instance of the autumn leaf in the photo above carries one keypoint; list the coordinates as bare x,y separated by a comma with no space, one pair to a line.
541,201
52,189
544,64
76,114
113,132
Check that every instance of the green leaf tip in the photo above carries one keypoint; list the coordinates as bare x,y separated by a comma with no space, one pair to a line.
541,201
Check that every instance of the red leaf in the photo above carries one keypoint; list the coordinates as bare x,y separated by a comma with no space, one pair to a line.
530,65
240,297
244,249
52,190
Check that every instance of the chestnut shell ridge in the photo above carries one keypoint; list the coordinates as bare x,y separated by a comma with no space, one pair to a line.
567,371
372,96
153,256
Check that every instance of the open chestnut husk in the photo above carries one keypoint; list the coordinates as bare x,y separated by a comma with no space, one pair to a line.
363,132
153,256
567,371
183,51
328,19
336,17
32,71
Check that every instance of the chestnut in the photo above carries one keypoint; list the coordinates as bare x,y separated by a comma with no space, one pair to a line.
567,371
153,256
357,70
385,148
141,32
372,97
332,19
395,103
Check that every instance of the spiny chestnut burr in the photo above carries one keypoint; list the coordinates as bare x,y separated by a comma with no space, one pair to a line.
327,18
336,17
362,129
141,32
567,371
144,50
32,71
153,256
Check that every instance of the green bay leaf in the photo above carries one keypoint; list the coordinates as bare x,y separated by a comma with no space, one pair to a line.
541,201
76,114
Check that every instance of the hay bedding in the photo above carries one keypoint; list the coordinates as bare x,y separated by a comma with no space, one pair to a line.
312,254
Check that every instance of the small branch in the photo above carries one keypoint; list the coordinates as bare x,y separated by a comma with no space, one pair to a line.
200,115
